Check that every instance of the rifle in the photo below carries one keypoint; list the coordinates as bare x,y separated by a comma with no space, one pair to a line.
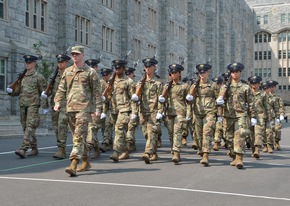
166,89
227,86
51,82
15,84
193,90
112,80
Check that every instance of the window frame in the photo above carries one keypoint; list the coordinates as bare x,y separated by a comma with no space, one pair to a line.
36,15
3,72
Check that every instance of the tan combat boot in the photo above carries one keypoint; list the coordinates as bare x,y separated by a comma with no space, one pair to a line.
256,153
131,147
159,142
270,148
115,156
154,157
104,147
204,159
96,152
34,152
265,149
146,158
85,166
184,141
124,155
72,168
21,153
277,145
194,145
234,162
175,157
216,146
60,154
239,161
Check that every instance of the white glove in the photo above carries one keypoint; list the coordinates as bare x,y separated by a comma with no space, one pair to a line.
277,121
281,117
161,99
253,121
220,119
187,119
220,100
45,111
103,98
9,90
271,122
135,98
103,115
43,95
134,116
189,97
159,116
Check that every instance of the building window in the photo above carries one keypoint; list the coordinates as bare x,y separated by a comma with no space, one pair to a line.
284,87
137,49
289,17
3,9
258,20
280,87
2,74
288,87
152,18
269,37
266,19
181,35
288,72
256,55
82,30
269,55
279,54
284,54
260,72
260,38
288,54
108,39
265,55
137,10
269,74
282,18
108,3
260,55
36,14
256,71
265,37
171,29
256,38
284,72
151,50
280,72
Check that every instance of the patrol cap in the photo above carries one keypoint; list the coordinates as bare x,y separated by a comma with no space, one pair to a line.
235,67
30,58
92,62
217,80
77,49
148,62
106,71
272,83
129,70
175,68
62,57
255,79
119,63
203,67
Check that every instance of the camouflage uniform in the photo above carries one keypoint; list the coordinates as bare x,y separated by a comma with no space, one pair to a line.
278,125
80,87
29,91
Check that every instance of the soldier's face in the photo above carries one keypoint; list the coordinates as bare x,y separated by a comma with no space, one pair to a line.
150,70
77,57
30,65
120,70
175,75
204,75
107,76
255,86
62,65
236,74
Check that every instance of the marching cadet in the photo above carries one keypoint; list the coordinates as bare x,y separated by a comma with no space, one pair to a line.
29,91
80,88
59,119
218,133
177,110
97,123
133,124
280,115
122,110
262,107
204,94
150,109
107,142
238,100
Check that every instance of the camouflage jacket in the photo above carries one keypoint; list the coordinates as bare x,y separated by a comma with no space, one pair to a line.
80,88
29,90
262,105
239,101
280,110
149,97
54,90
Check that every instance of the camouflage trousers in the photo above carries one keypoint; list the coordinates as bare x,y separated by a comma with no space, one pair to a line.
60,126
29,119
108,132
236,132
93,128
78,123
150,127
121,126
218,133
204,128
175,125
130,136
258,132
269,137
277,132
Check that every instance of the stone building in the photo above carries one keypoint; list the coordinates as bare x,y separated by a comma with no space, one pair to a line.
271,40
218,31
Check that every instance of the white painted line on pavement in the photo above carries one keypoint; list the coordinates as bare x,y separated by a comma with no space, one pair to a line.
148,186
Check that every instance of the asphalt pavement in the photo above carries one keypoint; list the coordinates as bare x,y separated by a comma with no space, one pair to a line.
41,180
